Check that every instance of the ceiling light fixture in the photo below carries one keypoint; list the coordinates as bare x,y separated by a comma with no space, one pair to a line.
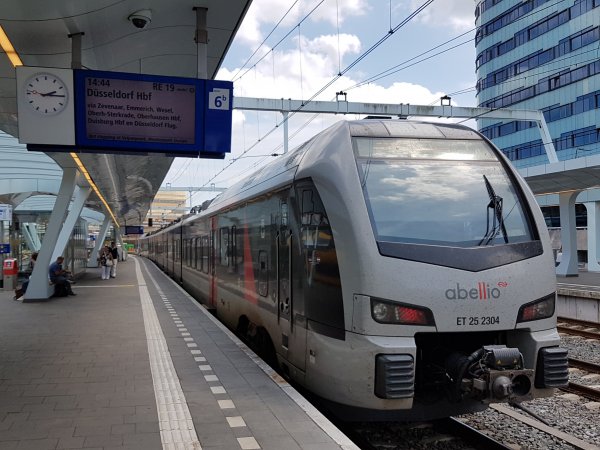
9,49
87,176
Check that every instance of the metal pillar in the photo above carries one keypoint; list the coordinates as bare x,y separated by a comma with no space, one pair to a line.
81,195
93,261
76,50
285,132
568,235
120,241
593,221
32,239
202,42
400,110
38,288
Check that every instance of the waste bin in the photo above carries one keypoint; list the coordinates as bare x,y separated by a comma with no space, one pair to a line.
10,272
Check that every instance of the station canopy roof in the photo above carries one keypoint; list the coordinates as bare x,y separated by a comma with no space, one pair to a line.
39,32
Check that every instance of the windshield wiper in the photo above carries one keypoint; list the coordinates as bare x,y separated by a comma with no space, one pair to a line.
495,205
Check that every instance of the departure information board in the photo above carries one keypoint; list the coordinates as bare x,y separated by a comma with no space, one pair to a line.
152,113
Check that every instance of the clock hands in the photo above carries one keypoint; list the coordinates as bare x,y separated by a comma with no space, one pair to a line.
47,94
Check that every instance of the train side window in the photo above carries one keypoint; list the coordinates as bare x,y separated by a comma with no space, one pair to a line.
188,259
308,206
284,214
205,253
197,243
224,247
234,250
316,231
239,249
263,274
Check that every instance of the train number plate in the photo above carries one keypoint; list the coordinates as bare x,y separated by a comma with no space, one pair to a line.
477,320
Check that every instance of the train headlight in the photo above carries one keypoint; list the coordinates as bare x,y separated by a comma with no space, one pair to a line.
400,313
537,310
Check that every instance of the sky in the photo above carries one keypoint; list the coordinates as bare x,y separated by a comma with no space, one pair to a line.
293,49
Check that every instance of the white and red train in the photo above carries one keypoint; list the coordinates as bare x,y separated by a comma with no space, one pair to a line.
396,269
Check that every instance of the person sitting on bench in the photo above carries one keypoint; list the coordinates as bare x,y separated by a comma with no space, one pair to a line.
58,277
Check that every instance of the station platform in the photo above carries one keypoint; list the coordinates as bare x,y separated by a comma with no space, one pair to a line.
579,297
135,363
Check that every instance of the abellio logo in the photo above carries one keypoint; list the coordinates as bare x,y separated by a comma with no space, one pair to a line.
483,291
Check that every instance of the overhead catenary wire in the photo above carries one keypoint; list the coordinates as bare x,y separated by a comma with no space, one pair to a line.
402,66
388,71
281,40
265,39
322,89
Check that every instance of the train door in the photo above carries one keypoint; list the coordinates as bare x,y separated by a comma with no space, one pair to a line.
212,289
321,285
291,319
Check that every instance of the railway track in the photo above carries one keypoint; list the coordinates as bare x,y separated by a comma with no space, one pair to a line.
590,330
582,389
443,433
471,435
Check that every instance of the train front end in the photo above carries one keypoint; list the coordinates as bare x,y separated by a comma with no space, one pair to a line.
447,276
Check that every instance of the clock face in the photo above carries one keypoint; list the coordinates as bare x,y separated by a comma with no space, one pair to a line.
46,94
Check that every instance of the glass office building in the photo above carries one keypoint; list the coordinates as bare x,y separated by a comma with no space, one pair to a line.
542,55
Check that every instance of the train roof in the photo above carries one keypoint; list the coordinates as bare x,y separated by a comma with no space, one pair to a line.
282,171
410,129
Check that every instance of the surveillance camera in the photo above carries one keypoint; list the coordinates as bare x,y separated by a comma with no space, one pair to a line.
141,18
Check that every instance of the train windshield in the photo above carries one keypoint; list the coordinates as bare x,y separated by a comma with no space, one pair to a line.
439,192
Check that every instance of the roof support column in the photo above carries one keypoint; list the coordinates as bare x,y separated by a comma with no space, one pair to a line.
30,234
547,140
593,221
93,261
202,42
568,235
81,195
39,289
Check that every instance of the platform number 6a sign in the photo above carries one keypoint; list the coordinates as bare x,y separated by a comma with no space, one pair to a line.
218,98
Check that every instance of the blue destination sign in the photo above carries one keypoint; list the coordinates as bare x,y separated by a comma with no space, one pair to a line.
150,113
134,229
4,249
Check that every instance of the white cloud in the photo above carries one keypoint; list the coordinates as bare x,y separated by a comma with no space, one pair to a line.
336,11
456,14
270,12
280,75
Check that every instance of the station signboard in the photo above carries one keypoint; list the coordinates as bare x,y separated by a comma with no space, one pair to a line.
134,229
118,112
152,113
6,212
4,249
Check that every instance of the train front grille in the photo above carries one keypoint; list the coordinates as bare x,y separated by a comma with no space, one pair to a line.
394,376
552,368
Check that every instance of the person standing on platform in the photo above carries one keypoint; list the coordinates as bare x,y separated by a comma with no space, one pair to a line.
58,276
106,262
115,257
20,292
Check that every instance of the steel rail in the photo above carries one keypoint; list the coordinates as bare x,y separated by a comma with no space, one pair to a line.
582,390
582,333
585,365
583,323
567,323
469,434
